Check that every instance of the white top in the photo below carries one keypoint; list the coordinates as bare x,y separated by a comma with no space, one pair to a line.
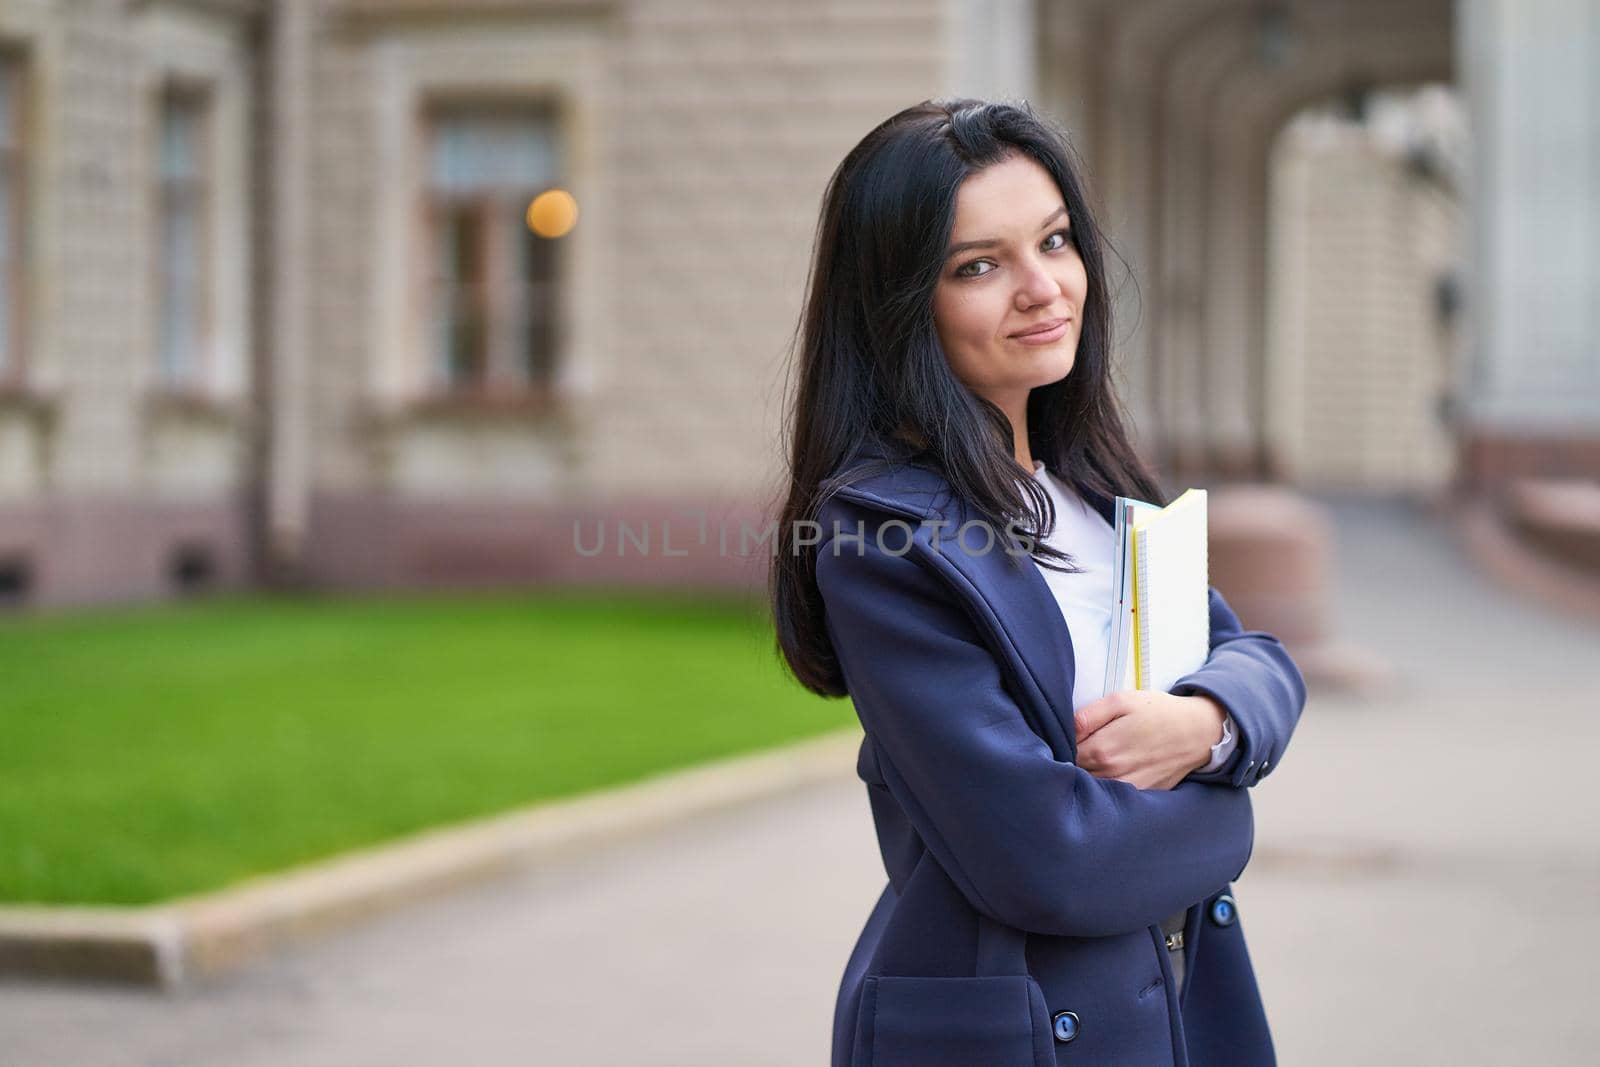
1085,598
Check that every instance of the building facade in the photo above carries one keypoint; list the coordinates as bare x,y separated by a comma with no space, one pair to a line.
273,305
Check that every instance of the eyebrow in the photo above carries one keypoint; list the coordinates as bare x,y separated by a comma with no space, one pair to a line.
990,242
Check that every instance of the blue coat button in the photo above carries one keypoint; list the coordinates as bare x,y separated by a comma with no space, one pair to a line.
1224,911
1066,1026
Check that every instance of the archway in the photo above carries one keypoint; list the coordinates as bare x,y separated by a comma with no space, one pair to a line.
1175,105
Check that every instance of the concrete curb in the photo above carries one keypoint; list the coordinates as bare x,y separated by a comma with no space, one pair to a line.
174,944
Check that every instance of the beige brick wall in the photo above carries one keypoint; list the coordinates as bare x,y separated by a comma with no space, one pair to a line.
344,185
703,137
730,119
100,478
94,71
91,245
1357,356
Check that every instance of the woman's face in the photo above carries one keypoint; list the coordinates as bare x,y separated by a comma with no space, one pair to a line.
1023,273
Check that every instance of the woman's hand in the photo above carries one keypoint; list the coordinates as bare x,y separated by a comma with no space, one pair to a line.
1146,738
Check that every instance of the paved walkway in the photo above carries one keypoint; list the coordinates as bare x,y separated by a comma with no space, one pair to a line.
1424,891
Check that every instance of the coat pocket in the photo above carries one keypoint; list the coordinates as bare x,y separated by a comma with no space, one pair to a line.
998,1021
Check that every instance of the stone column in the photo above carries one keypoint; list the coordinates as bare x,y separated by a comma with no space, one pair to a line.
288,467
1531,69
991,48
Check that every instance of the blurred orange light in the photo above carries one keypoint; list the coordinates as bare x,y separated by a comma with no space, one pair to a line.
553,213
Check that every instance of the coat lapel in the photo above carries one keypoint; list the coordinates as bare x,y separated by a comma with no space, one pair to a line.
1005,593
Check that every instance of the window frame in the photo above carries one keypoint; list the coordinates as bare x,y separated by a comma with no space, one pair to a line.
15,159
505,378
200,96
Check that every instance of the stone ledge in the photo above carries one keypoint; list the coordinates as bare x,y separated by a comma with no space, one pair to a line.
177,943
1559,518
1495,546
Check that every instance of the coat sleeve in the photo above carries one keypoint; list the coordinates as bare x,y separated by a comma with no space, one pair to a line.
1251,675
1032,841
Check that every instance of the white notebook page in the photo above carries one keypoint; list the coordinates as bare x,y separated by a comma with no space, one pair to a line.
1171,599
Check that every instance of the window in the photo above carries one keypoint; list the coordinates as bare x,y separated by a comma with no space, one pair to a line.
182,196
12,175
492,282
191,566
16,579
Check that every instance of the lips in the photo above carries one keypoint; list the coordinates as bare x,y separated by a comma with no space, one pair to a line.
1041,328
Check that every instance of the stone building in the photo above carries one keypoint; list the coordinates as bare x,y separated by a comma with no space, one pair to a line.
270,306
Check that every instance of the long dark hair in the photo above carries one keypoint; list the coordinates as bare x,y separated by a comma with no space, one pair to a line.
870,366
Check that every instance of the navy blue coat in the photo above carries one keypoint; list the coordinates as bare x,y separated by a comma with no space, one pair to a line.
1020,925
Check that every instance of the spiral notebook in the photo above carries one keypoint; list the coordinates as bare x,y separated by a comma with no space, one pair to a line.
1160,619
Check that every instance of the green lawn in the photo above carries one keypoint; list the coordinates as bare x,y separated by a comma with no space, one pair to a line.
152,752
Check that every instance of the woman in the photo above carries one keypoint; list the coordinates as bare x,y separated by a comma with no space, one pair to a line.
1060,861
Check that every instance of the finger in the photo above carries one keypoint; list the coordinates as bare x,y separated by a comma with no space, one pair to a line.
1108,766
1089,718
1097,760
1112,742
1095,714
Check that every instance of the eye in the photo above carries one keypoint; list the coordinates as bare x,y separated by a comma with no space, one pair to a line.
1064,233
963,272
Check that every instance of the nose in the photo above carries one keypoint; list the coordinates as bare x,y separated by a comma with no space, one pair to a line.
1036,285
